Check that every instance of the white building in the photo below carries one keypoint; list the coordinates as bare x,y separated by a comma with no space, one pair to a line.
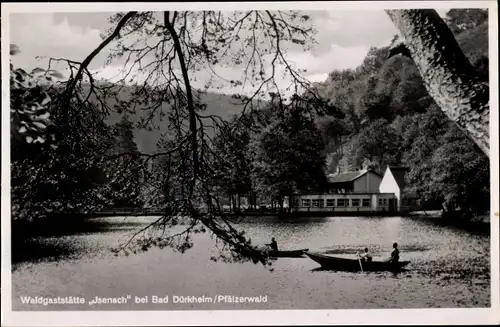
394,182
360,191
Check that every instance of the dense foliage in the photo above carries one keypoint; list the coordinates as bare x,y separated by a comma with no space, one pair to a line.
280,152
64,163
126,173
391,120
288,156
56,166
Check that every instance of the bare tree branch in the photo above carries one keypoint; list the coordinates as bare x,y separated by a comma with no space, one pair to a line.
86,62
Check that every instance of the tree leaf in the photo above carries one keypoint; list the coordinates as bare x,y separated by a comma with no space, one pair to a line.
14,49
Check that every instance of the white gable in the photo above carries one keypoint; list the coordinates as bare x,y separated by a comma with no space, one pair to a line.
389,184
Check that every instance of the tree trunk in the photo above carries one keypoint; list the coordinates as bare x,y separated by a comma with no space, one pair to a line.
447,73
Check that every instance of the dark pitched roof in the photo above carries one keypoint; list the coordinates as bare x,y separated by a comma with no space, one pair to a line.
348,176
399,175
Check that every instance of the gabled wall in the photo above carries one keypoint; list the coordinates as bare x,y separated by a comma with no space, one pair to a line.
389,185
368,183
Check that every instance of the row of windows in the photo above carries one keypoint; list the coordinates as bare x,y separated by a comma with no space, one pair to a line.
382,202
320,203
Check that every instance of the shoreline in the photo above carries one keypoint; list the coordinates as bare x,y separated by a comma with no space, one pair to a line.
94,222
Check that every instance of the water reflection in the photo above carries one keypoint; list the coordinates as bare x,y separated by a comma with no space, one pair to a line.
392,230
435,277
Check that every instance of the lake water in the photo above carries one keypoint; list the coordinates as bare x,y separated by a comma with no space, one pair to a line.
449,267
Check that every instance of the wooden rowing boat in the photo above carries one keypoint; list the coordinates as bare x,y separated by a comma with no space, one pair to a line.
343,264
288,254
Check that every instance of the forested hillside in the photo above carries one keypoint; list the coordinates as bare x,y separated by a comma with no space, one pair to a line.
384,116
86,155
391,120
147,136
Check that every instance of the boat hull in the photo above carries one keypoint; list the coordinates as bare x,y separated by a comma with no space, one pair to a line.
352,265
288,254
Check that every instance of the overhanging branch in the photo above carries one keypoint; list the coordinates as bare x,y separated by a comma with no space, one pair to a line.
84,65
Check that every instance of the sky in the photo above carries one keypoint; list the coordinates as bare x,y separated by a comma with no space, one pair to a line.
343,39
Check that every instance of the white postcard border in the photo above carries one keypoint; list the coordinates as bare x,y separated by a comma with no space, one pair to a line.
251,317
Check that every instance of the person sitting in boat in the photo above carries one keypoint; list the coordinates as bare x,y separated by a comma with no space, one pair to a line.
273,245
366,256
394,254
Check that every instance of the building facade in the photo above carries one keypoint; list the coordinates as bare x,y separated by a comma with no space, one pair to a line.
359,191
351,202
394,182
361,181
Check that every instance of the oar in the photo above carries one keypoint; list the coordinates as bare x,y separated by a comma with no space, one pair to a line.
360,264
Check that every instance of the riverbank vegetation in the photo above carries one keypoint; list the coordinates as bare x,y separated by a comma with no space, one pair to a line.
68,160
392,120
386,117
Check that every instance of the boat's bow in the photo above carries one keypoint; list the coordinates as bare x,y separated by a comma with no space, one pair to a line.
344,264
288,253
